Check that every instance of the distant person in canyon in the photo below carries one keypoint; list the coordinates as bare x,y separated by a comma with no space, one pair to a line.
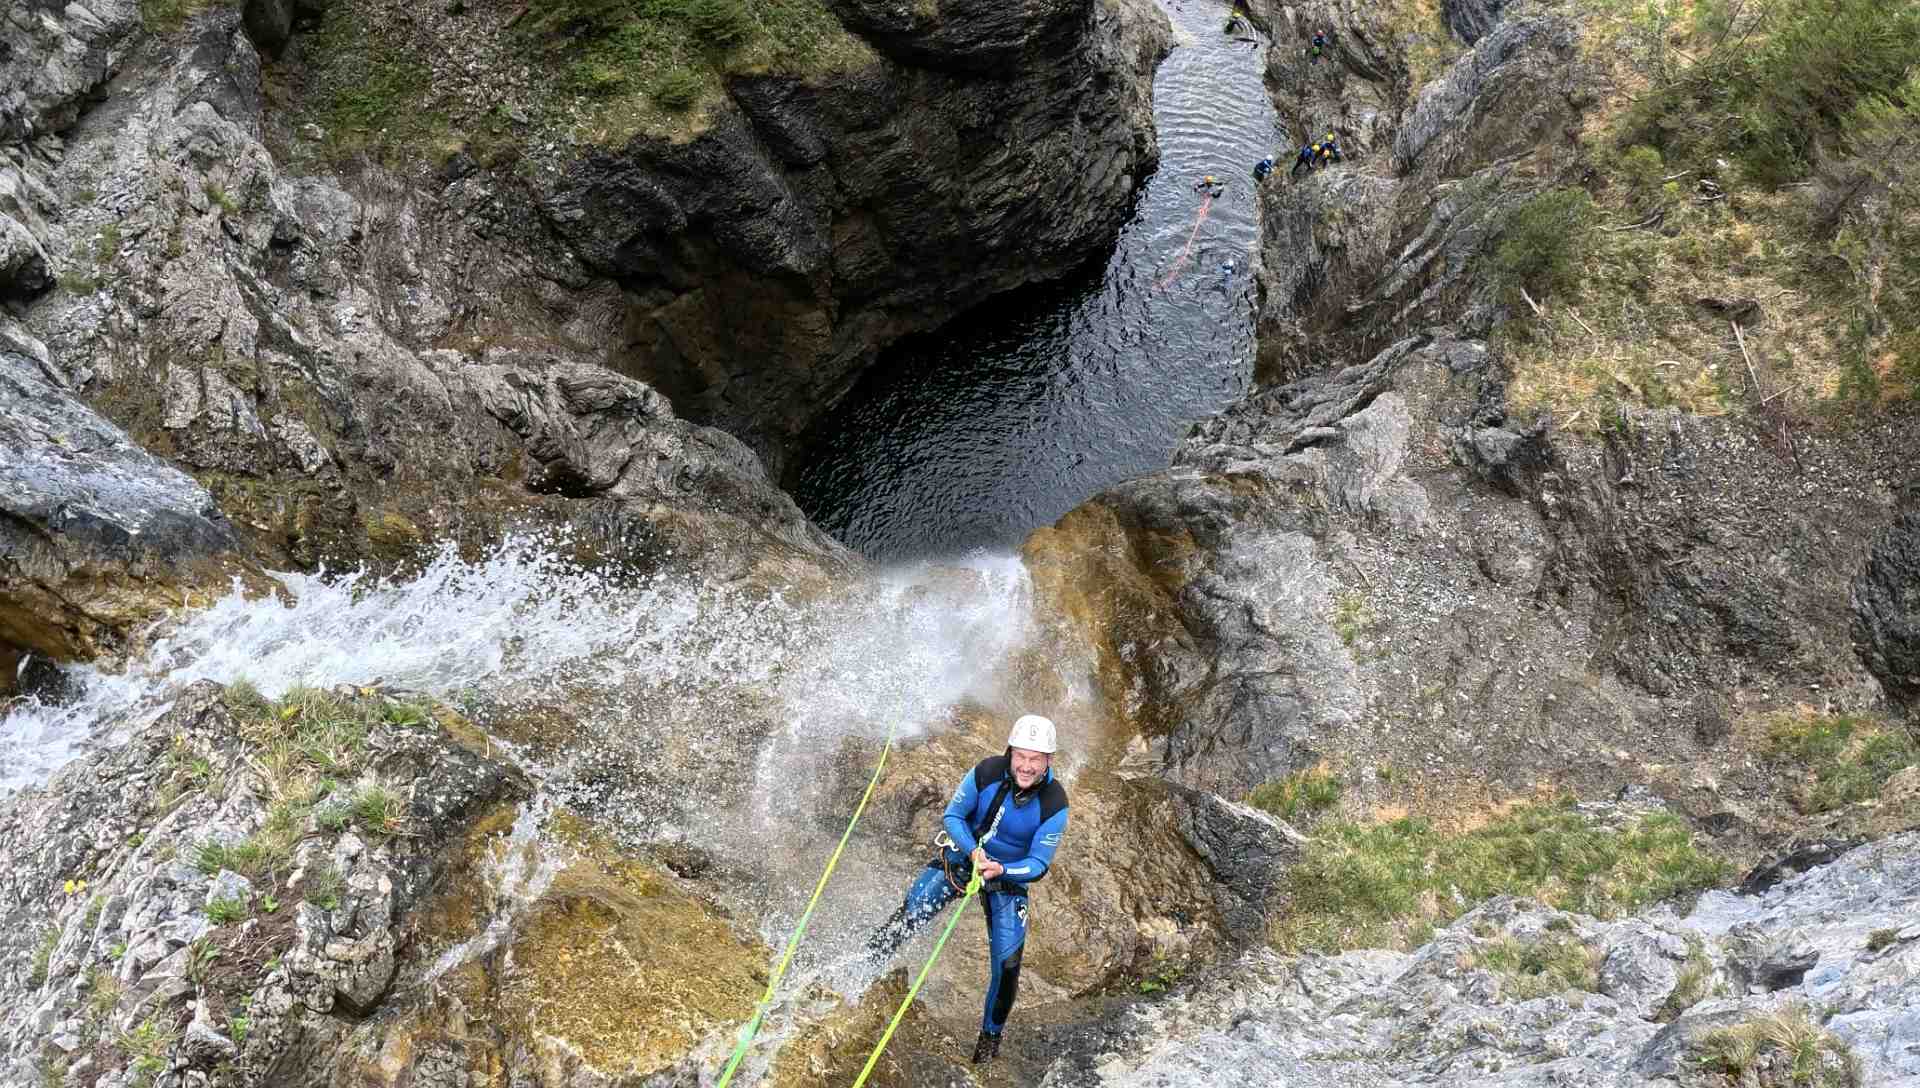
1262,168
1210,185
1305,160
1005,822
1318,48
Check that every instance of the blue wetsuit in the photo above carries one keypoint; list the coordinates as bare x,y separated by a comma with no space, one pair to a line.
1022,834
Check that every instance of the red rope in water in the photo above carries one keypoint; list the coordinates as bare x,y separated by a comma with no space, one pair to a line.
1205,206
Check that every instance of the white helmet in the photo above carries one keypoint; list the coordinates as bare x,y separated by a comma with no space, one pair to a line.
1033,733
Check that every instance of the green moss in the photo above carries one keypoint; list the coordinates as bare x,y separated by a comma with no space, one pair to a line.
644,65
1371,885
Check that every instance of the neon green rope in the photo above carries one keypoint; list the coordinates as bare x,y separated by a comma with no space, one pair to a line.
972,887
752,1027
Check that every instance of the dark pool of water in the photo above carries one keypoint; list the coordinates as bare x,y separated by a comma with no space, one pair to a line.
974,435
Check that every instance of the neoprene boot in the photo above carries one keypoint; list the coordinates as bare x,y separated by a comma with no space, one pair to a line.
987,1048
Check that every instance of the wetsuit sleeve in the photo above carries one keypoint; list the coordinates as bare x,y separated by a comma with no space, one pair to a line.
959,812
1045,841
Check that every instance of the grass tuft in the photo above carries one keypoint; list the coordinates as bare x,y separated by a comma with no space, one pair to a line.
1313,790
1539,968
1836,760
1796,1050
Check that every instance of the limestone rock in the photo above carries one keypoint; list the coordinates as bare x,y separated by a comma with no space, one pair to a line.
1437,1015
97,534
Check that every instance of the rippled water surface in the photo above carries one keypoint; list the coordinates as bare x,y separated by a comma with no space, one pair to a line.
974,435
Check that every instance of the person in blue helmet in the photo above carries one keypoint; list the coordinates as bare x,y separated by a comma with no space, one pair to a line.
1005,821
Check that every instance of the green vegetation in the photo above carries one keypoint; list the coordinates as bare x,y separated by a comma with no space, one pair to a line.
1690,986
147,1047
638,62
42,957
252,858
1313,790
1162,975
1542,967
103,994
1803,1054
1755,238
107,246
1881,938
1776,83
167,15
1838,759
219,198
1543,242
226,911
375,90
1375,885
323,886
1351,616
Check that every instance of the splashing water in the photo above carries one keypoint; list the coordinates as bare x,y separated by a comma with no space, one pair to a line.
522,871
518,613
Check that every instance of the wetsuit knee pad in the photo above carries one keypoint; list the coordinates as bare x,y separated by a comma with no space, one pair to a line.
1004,993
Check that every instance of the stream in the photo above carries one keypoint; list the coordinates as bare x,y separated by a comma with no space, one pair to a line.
971,436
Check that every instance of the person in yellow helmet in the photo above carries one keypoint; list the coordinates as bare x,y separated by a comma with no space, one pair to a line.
1210,185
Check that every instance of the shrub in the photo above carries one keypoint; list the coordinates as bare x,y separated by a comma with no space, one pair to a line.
677,88
1786,86
722,24
1543,241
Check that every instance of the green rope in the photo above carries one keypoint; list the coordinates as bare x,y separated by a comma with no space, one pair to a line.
752,1027
972,887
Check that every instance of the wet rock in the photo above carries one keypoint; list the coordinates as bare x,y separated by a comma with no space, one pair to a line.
23,264
97,535
1886,609
809,223
269,23
284,355
1470,20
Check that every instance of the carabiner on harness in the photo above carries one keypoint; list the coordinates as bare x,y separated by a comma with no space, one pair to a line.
944,848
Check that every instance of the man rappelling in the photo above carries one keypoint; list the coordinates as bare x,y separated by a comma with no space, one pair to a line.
1005,821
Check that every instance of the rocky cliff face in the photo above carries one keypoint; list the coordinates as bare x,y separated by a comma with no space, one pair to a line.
354,360
768,242
1658,1000
1370,562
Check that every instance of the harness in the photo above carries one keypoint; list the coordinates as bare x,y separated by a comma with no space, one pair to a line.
945,850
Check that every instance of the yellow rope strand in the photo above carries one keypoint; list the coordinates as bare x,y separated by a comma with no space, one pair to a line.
972,887
752,1027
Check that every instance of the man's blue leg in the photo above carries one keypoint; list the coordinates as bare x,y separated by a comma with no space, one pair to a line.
1006,937
926,896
